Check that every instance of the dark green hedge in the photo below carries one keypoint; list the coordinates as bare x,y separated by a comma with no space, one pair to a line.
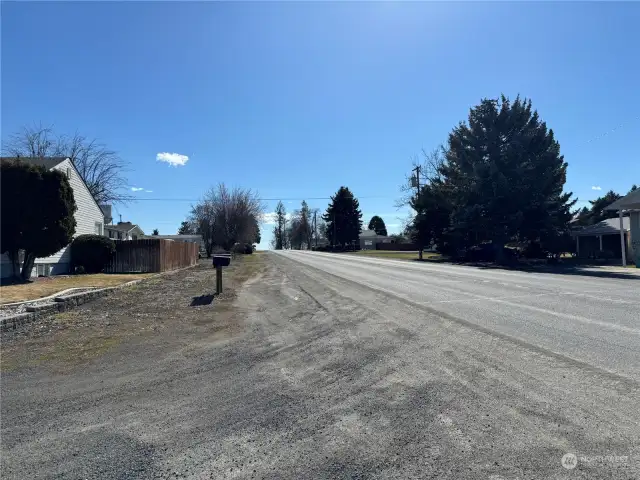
92,252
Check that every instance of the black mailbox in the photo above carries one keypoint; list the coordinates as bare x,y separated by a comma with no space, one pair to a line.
221,260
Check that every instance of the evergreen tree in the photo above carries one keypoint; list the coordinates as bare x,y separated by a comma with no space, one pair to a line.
377,225
279,231
433,212
343,218
598,212
505,177
37,213
186,228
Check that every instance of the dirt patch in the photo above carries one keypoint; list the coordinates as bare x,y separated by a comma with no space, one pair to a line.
161,309
45,286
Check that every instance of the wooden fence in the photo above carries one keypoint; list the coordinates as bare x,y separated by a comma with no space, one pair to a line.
152,255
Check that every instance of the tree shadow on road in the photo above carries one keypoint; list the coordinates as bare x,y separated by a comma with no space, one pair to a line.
583,270
566,270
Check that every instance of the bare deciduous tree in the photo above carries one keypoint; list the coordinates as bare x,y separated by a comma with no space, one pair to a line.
429,169
226,216
101,169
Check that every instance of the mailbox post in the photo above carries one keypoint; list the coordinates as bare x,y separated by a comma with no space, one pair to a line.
220,261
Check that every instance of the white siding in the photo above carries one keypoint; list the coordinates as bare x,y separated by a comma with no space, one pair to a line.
87,214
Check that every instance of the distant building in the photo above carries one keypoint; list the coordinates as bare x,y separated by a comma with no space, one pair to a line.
603,238
123,231
369,238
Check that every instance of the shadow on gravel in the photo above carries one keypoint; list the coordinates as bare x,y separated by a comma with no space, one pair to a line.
202,300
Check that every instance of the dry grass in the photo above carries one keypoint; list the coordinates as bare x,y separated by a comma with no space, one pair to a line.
43,287
138,313
394,255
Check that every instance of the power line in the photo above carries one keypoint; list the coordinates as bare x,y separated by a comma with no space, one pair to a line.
262,199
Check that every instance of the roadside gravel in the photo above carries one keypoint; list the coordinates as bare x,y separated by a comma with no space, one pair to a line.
299,374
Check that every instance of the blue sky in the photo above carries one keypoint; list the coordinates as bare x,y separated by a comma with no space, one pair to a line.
296,99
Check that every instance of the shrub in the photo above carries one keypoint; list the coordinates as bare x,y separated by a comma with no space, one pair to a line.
244,248
534,250
92,252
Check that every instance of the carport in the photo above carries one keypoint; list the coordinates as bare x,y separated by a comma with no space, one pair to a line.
631,204
602,240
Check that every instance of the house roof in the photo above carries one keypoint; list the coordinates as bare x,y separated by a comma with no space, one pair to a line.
49,163
631,201
123,227
46,162
368,233
610,226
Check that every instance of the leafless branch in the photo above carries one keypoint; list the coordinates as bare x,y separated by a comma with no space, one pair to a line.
226,216
430,165
102,169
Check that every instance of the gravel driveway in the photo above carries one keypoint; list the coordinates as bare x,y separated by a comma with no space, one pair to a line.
301,374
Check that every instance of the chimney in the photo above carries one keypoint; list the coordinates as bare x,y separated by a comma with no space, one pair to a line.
106,211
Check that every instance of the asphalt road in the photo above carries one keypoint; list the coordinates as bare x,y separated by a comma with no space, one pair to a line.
591,319
331,366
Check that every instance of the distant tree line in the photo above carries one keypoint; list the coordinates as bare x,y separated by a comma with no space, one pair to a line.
298,230
340,225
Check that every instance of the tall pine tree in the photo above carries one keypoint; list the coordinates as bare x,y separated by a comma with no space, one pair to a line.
505,176
343,218
279,231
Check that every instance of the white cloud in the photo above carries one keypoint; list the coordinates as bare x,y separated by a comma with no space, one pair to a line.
173,159
136,189
149,191
596,187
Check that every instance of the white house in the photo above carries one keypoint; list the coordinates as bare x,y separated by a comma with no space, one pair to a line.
123,231
89,217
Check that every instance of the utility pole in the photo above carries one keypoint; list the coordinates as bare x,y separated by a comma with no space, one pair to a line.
417,170
315,227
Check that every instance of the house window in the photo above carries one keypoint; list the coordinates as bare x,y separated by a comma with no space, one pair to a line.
98,228
69,173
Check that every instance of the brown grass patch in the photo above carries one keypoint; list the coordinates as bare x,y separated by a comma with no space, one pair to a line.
43,287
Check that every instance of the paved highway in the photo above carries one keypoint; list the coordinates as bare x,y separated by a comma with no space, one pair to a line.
589,319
